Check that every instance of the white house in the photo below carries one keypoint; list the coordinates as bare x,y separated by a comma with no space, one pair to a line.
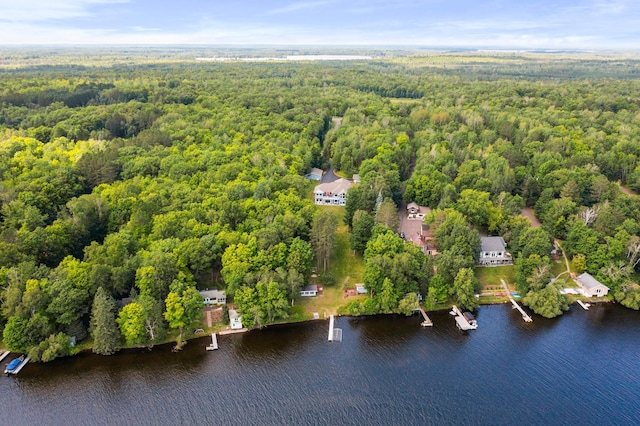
309,290
214,297
235,320
591,286
332,193
315,174
493,251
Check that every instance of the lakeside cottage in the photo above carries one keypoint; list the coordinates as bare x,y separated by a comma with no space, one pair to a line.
332,193
309,290
493,252
214,297
590,286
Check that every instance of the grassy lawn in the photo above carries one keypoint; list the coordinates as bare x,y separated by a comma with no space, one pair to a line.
346,269
490,276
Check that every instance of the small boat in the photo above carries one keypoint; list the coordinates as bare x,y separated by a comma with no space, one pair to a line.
470,319
13,364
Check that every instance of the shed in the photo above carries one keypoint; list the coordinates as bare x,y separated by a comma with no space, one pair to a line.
355,178
315,174
235,320
591,286
360,289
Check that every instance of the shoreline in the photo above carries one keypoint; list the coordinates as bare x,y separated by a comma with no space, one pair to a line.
228,331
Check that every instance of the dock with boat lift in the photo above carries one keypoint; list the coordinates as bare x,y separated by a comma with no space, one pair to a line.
4,354
461,321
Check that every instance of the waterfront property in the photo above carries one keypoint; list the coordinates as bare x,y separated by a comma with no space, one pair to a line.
493,252
590,286
214,297
309,290
332,193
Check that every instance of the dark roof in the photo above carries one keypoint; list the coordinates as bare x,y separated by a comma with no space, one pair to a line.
492,244
310,287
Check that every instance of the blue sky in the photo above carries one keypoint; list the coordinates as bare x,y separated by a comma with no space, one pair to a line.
551,24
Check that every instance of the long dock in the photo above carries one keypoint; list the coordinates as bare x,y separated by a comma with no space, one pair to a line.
427,321
214,343
331,328
584,306
4,354
21,366
525,316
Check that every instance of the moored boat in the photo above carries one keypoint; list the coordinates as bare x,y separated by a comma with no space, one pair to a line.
13,365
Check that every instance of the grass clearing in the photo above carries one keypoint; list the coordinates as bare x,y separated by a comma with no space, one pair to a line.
491,276
346,268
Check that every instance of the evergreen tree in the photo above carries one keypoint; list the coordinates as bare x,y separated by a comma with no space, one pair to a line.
104,330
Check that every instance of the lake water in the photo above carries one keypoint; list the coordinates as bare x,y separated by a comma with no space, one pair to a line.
582,368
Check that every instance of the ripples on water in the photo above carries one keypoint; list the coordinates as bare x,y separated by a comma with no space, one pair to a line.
583,368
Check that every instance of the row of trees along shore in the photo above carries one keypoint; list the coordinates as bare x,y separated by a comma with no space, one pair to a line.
148,182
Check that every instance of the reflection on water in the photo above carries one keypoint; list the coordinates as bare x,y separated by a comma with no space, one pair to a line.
582,368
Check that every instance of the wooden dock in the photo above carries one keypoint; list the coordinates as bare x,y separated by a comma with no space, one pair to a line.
335,334
214,343
331,328
584,306
232,331
427,321
525,316
4,354
21,366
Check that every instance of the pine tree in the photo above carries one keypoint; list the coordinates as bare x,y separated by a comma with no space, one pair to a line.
104,330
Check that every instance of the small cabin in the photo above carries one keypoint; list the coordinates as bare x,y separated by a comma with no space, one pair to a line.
310,290
235,320
360,289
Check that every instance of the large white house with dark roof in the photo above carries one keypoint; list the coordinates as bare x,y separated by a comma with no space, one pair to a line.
590,286
493,251
332,193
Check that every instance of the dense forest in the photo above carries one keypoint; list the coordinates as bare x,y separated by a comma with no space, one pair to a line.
153,180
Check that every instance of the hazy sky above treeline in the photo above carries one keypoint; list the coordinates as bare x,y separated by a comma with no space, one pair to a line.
507,24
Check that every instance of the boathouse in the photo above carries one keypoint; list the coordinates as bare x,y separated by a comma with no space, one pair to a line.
590,286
